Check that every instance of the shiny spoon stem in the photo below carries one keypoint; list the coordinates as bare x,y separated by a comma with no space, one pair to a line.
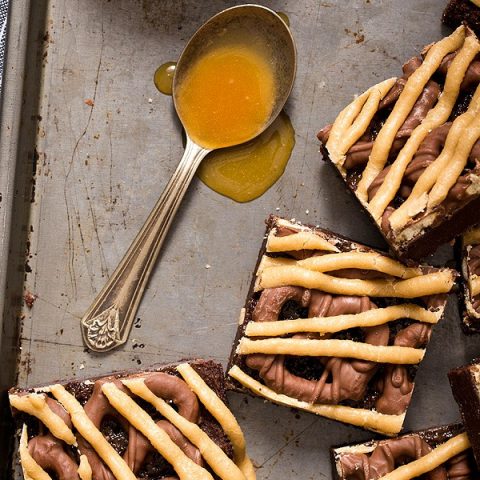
107,323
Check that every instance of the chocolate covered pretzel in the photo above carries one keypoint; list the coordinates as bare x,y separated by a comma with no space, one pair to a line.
441,453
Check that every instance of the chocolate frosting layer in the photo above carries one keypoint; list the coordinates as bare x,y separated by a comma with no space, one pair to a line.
341,378
390,454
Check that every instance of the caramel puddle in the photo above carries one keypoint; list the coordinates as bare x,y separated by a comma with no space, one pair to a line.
226,97
163,77
284,17
245,172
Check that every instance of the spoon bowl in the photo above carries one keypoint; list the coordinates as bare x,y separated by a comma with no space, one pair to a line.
108,321
243,25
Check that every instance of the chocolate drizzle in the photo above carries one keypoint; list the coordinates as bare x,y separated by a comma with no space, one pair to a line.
390,454
358,155
62,460
340,379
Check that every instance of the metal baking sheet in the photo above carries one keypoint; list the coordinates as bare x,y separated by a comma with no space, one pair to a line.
77,181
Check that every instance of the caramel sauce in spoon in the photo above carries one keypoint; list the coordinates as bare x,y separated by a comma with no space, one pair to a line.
245,171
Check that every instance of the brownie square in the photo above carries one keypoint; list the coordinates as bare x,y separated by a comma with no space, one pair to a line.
465,383
164,422
435,453
462,11
408,147
469,265
334,327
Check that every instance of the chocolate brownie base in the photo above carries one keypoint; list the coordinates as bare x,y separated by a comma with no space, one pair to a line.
246,314
462,11
465,383
460,467
438,234
467,255
311,368
113,426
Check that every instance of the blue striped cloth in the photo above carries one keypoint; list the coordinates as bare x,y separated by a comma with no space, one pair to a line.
3,34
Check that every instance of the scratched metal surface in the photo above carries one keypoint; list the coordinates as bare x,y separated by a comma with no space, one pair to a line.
99,169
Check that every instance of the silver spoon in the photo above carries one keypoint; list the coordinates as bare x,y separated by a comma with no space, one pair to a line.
108,321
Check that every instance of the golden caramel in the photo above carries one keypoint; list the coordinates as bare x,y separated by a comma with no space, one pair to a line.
163,77
227,96
246,171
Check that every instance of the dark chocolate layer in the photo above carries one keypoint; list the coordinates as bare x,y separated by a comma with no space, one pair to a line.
462,11
465,383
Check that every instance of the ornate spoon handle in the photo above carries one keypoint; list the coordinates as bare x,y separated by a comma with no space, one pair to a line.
108,321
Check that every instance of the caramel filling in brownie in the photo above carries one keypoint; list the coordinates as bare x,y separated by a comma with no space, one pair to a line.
155,425
408,147
437,454
334,323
